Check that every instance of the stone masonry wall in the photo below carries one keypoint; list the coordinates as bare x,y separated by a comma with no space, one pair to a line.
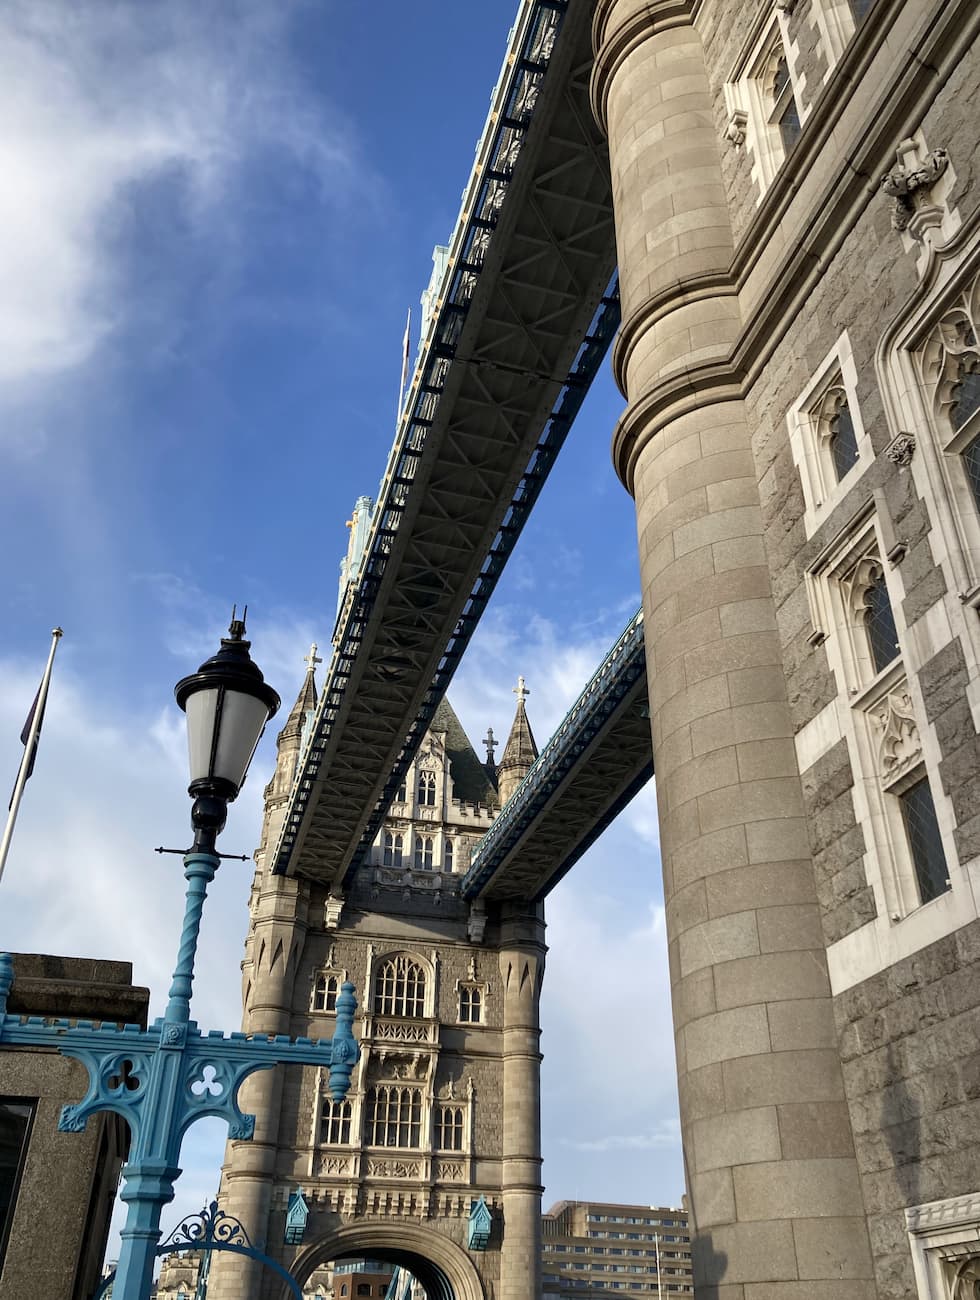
910,1046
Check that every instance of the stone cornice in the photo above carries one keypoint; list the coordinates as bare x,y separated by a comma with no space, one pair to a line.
681,394
856,181
614,47
679,294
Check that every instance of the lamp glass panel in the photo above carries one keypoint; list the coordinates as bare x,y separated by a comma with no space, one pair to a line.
242,720
200,708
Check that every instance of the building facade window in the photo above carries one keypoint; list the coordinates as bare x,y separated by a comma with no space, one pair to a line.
394,1116
449,1128
399,988
763,99
879,621
447,854
401,794
393,845
16,1117
783,114
423,852
427,789
326,986
335,1122
839,430
925,841
470,1004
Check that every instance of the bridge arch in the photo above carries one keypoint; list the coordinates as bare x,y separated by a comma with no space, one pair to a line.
445,1269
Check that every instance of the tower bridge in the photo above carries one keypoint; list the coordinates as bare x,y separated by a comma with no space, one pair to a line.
804,468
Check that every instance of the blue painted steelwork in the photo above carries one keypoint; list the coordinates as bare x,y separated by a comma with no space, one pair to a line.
209,1231
162,1079
479,1226
297,1214
609,685
521,82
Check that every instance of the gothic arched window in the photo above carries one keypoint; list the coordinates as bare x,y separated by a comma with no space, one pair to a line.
840,432
427,789
447,854
925,841
470,1004
392,849
784,113
399,987
325,990
449,1128
335,1118
423,852
879,622
394,1116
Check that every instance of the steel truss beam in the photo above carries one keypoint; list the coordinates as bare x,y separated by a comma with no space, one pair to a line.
525,317
590,769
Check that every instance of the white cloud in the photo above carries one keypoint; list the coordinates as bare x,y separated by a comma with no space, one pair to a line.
98,99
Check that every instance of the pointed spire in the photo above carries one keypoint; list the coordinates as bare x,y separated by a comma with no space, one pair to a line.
520,750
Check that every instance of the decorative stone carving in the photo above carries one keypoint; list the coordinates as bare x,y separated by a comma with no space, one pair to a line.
900,449
784,6
899,743
448,1171
333,1165
332,910
401,1031
908,182
735,130
477,923
393,1168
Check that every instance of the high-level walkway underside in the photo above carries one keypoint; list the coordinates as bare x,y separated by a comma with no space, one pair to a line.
589,770
525,317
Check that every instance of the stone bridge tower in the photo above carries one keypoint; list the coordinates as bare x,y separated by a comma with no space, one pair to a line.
444,1105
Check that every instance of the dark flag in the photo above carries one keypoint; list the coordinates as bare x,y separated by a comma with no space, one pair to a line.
25,736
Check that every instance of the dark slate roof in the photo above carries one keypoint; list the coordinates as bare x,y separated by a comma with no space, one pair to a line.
305,702
471,780
520,750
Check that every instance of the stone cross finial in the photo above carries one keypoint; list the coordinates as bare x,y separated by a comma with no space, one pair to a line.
490,743
521,691
312,659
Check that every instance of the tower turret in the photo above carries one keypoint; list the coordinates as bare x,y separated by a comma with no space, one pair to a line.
290,743
520,750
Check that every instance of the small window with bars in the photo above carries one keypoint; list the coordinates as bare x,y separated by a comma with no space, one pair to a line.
326,986
335,1121
449,1128
394,1116
470,1004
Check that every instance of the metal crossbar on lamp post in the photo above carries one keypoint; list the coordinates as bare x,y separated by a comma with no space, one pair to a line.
164,1078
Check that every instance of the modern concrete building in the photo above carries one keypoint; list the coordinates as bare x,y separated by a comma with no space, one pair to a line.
57,1189
444,1103
592,1248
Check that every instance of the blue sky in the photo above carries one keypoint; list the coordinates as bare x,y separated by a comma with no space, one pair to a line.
213,221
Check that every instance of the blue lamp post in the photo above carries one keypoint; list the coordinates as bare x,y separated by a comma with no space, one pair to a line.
162,1079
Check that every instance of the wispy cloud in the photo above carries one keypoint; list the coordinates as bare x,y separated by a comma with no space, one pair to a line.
100,99
666,1135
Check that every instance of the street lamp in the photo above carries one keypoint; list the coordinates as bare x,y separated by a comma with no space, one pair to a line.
163,1079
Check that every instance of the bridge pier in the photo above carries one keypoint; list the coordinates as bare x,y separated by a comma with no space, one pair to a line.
521,971
777,1211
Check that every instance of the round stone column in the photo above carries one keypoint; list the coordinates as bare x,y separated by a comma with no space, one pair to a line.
521,970
777,1212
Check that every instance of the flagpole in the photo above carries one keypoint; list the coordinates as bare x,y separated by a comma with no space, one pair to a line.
405,350
25,762
656,1241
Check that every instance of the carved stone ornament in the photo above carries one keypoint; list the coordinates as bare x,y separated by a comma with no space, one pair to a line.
784,6
393,1168
735,130
900,449
332,910
477,923
907,182
966,1280
333,1165
899,744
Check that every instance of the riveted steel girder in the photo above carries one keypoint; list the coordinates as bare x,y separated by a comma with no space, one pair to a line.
502,367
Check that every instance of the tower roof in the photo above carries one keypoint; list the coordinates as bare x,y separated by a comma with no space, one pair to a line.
305,700
521,749
471,780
